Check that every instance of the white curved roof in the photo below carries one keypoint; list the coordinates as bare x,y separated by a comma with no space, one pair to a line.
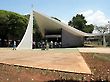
46,22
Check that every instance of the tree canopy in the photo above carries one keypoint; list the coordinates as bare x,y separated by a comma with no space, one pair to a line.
79,23
12,25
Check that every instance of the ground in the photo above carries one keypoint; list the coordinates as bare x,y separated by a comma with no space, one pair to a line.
69,60
98,63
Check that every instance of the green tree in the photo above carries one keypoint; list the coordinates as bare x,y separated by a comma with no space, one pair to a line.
79,23
12,25
88,28
3,26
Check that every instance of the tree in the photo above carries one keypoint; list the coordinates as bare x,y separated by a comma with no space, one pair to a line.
3,26
88,28
12,25
79,23
103,31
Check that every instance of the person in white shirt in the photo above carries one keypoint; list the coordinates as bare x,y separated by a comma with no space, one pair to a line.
14,45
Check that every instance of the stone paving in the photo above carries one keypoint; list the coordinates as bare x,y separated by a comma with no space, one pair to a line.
95,50
68,60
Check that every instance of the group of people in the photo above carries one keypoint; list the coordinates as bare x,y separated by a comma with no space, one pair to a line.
46,45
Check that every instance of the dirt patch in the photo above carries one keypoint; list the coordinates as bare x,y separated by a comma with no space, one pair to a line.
99,65
12,73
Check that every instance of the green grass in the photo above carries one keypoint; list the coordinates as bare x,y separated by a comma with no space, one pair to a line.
102,57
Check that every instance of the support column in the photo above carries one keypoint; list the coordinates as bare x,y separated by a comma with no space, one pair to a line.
26,42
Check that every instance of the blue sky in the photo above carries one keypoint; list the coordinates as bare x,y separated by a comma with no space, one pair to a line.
62,9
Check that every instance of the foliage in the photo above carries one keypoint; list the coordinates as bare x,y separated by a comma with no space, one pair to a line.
101,29
79,23
12,25
102,57
88,28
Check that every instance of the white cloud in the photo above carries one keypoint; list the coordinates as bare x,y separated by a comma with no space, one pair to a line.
95,17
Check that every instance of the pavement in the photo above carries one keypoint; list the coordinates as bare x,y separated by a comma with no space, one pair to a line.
68,60
100,50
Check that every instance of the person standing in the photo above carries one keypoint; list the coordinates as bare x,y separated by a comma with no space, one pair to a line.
14,45
47,45
43,45
55,44
51,44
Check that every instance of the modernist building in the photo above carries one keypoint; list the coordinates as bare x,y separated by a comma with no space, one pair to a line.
51,28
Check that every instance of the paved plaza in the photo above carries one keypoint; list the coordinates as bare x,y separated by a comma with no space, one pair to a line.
69,60
95,50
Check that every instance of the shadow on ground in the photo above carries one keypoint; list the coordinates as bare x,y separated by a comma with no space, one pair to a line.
77,81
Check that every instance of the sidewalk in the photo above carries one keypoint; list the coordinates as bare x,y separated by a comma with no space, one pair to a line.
94,50
68,60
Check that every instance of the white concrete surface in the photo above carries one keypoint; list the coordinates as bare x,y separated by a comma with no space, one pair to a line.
95,50
27,40
68,60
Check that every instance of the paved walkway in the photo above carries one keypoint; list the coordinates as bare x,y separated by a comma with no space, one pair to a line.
94,50
68,60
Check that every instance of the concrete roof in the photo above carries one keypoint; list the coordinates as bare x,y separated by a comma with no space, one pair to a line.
46,22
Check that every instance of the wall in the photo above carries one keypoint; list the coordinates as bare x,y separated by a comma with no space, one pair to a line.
70,40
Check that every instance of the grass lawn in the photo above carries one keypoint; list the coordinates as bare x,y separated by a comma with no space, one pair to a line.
102,57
